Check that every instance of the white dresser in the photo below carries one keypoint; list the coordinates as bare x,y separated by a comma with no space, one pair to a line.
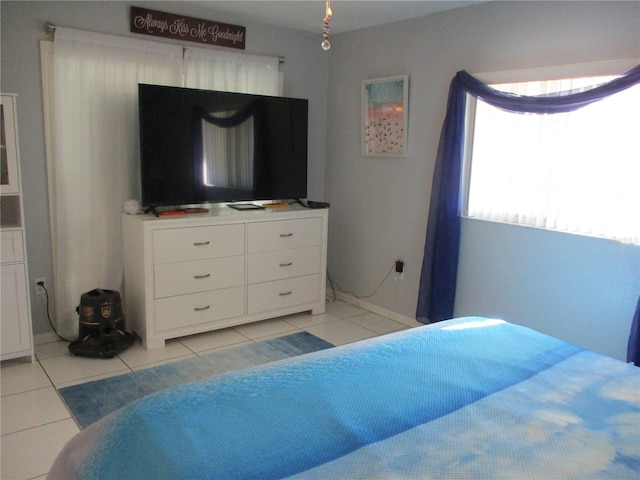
195,273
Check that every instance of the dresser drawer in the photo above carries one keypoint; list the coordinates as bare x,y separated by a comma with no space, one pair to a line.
198,308
11,246
264,267
284,234
198,276
197,243
283,293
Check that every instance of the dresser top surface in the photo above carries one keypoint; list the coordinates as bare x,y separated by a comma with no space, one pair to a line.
225,214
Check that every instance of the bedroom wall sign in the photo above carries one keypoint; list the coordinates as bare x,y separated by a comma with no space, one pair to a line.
161,24
385,109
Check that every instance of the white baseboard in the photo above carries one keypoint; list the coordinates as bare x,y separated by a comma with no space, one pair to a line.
385,312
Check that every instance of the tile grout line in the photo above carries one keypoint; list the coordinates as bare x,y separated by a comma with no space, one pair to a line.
70,417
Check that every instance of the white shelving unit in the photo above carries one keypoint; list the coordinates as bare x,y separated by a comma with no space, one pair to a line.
15,314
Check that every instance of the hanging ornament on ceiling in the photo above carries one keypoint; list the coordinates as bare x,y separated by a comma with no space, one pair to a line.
326,44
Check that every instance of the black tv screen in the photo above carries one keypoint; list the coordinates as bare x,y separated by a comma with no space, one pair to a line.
205,146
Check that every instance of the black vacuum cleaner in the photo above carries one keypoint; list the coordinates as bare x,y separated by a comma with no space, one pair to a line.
102,330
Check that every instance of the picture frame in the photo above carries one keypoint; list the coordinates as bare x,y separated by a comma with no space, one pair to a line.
385,114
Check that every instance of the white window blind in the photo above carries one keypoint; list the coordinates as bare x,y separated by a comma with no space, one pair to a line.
576,172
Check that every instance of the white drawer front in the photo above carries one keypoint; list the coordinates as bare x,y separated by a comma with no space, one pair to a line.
283,293
14,311
284,234
264,267
198,276
199,308
11,246
197,243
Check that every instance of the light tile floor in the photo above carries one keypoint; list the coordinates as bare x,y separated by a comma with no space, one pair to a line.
35,423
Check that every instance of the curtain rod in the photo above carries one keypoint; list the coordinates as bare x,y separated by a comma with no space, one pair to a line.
50,29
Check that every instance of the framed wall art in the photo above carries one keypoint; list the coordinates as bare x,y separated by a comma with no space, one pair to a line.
385,113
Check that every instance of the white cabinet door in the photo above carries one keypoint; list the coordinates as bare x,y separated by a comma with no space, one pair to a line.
11,246
9,179
16,329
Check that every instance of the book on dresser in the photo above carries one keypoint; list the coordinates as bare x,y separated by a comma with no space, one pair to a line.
187,275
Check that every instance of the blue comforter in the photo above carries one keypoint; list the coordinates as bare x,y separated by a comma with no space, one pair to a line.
467,398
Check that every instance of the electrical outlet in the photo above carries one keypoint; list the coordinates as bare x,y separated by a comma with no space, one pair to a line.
399,270
39,289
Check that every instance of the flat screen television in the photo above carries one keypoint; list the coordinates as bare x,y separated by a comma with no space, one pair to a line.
205,146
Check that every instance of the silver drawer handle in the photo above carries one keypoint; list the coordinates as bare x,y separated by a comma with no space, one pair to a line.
286,235
200,244
286,264
284,294
206,275
199,309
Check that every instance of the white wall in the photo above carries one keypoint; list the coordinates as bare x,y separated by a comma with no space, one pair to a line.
23,26
582,290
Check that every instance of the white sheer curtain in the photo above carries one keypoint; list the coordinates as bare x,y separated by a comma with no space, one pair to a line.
228,154
93,143
95,148
231,72
574,172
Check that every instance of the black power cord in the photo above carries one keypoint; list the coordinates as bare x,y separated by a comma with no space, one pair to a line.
363,296
333,289
46,292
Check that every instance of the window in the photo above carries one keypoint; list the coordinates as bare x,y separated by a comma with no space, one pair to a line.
575,172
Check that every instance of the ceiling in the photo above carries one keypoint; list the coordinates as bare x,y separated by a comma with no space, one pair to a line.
348,15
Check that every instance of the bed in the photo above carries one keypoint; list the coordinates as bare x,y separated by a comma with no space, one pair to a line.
466,398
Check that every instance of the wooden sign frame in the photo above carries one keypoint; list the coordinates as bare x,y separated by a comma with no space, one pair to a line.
180,27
